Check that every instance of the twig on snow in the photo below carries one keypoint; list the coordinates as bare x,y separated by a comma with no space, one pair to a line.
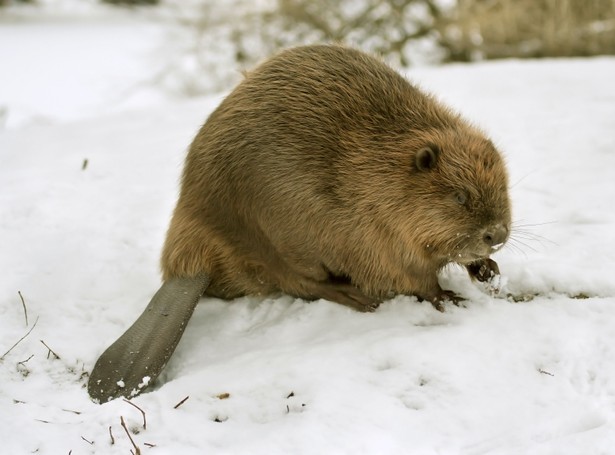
181,402
50,351
137,450
142,412
23,362
111,435
89,442
20,340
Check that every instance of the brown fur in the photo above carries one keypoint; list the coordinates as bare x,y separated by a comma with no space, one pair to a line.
325,174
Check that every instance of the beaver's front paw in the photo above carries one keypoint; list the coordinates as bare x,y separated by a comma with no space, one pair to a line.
486,271
483,270
440,299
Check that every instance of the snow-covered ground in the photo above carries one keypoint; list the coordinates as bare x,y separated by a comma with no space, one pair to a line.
82,246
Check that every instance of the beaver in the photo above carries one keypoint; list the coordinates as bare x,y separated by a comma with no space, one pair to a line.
325,174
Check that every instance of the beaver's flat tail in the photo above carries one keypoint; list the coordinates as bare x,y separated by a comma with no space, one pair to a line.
136,359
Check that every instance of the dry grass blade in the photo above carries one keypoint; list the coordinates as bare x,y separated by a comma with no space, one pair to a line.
51,352
23,362
19,341
137,450
140,410
25,310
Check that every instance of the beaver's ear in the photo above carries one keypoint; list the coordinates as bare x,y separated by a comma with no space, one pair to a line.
426,158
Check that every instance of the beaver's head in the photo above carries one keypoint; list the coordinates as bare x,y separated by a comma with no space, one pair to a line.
458,208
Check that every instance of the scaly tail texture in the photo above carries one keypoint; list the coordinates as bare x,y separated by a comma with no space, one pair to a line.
139,355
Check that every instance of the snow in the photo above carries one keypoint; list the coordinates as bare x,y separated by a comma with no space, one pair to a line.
93,64
494,377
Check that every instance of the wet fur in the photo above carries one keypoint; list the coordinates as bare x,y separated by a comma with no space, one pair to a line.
307,180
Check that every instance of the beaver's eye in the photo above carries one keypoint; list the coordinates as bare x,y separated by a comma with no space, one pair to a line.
461,197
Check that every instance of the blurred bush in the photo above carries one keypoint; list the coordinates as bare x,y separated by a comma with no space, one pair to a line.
402,31
218,34
461,30
487,29
14,2
387,27
211,41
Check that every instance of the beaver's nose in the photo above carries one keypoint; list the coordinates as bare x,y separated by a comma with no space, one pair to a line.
495,235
